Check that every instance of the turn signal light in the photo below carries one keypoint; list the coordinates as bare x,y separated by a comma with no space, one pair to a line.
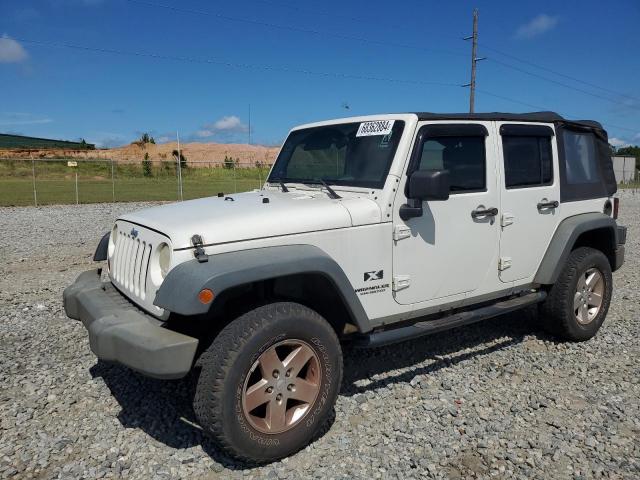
205,296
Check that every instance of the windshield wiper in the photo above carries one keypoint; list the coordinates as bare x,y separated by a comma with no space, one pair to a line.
332,193
281,183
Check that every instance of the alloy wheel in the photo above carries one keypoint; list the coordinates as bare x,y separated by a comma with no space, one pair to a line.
589,295
281,387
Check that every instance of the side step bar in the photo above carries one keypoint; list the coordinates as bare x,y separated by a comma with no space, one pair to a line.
427,327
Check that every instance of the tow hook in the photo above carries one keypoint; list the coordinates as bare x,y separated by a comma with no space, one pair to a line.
196,241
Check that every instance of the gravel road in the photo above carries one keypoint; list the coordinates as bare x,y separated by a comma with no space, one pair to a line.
498,399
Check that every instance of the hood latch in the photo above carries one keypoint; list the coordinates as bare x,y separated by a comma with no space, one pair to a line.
198,252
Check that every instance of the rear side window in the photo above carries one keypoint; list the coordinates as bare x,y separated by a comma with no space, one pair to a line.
463,156
527,161
580,158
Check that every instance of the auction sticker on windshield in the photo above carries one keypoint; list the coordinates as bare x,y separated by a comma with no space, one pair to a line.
377,127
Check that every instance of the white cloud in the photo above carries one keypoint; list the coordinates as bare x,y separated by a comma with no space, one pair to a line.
537,26
226,125
20,118
11,51
618,142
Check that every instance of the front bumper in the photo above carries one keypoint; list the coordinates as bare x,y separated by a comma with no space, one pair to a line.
121,333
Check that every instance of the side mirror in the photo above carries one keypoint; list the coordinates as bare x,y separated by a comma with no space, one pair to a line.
424,185
429,185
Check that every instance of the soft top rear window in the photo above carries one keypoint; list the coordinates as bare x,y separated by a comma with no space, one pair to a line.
355,154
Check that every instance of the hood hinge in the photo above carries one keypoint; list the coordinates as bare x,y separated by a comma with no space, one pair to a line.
198,252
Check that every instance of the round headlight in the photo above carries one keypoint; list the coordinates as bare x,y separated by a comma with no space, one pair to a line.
164,259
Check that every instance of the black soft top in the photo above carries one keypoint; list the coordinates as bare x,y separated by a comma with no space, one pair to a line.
607,185
547,117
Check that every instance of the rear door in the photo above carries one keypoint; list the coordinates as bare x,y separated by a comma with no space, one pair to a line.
529,195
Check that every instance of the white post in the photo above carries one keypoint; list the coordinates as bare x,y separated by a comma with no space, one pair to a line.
76,187
35,192
179,166
113,184
235,184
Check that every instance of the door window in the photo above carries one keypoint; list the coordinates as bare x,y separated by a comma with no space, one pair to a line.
463,156
527,161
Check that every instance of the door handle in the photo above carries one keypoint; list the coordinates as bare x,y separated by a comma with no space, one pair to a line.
544,205
489,212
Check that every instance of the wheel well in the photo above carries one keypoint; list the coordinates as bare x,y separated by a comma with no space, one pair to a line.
313,290
602,239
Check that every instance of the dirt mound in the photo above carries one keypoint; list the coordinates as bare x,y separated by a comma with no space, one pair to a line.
133,153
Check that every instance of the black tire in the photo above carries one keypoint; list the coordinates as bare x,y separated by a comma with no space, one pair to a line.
226,366
557,311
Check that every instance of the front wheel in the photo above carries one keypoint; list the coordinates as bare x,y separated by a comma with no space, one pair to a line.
269,382
578,302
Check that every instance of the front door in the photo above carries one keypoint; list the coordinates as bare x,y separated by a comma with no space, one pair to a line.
530,195
452,248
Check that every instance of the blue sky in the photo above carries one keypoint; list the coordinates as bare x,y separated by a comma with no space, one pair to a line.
370,56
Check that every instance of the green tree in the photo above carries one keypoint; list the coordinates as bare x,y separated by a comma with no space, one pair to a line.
629,151
146,166
183,159
229,163
146,138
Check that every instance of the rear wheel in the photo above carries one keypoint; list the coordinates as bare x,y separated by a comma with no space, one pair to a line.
578,302
269,382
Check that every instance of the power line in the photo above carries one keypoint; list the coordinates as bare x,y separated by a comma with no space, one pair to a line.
363,40
527,62
307,11
278,68
294,28
538,107
562,84
376,42
224,63
555,72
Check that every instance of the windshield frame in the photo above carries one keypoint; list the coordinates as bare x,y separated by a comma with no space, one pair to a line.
274,176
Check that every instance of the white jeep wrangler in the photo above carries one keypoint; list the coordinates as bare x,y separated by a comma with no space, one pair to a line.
368,231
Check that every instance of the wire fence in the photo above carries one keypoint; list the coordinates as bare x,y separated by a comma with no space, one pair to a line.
70,180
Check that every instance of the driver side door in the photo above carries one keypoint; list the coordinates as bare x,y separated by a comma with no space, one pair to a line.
451,250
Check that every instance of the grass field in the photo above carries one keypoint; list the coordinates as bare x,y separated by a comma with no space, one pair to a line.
55,182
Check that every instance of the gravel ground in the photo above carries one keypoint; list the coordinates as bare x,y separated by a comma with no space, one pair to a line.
498,399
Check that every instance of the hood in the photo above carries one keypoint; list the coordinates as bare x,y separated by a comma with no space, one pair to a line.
220,220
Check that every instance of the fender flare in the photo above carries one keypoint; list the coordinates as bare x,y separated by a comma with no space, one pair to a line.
178,293
102,249
565,238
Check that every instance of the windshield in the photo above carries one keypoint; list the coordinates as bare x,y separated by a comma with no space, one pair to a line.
357,154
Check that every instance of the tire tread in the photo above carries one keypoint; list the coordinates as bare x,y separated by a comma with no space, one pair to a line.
219,358
554,312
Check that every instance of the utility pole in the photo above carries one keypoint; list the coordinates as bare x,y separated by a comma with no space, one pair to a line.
474,60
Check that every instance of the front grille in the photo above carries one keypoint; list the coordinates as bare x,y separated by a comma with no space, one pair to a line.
130,264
